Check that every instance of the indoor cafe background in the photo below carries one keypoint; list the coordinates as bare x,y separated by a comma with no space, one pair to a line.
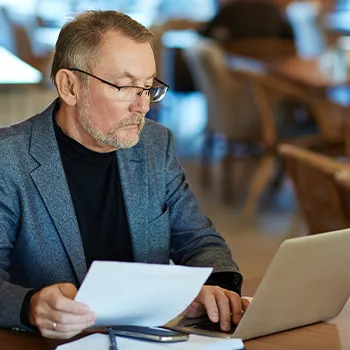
233,101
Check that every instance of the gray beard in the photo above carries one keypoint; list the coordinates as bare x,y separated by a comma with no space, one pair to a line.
110,138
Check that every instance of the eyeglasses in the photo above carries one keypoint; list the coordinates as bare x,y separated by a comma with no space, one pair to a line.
129,93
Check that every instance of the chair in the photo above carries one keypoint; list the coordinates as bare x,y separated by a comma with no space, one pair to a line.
229,111
262,49
7,39
24,44
25,51
170,65
267,91
322,188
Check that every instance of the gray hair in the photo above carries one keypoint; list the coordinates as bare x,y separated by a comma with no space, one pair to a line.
79,40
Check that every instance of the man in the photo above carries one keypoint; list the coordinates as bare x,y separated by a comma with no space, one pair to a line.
90,179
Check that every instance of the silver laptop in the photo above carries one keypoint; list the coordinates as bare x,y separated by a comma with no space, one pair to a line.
308,281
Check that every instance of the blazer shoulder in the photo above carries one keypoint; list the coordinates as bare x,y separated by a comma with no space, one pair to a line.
15,145
15,134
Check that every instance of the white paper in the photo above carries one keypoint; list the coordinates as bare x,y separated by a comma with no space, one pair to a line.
195,342
139,294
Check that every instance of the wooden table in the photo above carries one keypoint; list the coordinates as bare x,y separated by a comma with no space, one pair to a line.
279,58
330,335
305,73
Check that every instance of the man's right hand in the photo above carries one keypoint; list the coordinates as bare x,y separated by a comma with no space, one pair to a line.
55,313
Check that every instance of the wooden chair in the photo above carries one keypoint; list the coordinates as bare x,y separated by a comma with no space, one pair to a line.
267,91
322,187
229,112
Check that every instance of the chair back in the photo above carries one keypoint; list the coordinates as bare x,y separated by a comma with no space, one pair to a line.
229,111
323,199
268,90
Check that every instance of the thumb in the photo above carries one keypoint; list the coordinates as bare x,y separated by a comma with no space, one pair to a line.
68,290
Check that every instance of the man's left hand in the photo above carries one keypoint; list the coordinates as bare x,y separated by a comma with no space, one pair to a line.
220,304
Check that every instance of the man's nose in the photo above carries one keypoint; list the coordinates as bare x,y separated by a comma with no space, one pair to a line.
141,104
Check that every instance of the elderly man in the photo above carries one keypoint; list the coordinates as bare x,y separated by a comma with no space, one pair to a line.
90,179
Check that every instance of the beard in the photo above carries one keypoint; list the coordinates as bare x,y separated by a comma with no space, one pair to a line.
115,137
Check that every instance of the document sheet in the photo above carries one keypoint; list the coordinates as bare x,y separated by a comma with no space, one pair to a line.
122,293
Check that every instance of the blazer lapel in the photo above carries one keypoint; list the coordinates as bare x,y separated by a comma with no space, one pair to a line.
50,180
134,180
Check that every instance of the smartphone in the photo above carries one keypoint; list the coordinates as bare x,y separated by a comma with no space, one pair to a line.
150,333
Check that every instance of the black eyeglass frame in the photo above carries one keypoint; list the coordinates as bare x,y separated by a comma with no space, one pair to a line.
124,86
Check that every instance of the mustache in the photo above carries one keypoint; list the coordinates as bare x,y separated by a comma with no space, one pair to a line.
134,119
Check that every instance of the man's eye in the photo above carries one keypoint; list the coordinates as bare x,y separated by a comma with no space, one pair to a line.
124,88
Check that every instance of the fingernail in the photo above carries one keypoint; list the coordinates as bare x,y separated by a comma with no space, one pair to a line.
214,317
226,326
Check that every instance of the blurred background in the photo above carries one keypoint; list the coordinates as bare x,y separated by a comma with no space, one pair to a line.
259,104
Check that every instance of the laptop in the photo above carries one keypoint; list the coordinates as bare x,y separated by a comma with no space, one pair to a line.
308,281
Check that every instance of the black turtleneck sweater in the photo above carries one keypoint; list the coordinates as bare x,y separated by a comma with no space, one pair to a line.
95,188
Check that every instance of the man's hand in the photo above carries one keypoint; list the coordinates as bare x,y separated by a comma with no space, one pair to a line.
56,314
220,305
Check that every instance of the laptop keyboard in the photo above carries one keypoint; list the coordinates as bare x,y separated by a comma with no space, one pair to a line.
211,326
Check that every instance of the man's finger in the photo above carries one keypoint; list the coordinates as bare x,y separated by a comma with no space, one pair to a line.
68,328
236,305
245,304
64,304
68,318
207,298
63,328
223,304
68,290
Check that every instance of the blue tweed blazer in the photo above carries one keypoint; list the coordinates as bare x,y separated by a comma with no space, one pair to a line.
40,242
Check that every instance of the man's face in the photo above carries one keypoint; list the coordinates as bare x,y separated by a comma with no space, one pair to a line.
103,116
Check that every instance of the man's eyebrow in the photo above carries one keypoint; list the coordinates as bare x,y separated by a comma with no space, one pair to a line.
131,76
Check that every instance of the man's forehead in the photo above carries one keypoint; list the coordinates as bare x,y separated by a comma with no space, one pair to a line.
118,41
125,58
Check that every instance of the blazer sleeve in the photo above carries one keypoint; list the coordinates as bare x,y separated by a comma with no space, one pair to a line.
11,295
194,240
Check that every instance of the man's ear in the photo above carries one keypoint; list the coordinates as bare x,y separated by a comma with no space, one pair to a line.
67,86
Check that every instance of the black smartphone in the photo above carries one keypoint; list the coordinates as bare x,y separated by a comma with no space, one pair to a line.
150,333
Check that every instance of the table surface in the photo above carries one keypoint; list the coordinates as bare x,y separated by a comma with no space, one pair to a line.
333,334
